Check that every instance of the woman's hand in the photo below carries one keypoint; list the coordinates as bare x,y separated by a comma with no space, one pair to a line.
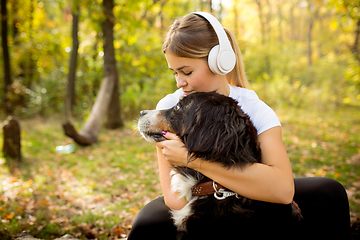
173,149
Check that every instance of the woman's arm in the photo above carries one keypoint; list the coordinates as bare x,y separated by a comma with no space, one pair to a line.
271,181
171,199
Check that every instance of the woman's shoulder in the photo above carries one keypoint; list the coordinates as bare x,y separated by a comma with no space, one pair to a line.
246,98
170,100
261,115
242,94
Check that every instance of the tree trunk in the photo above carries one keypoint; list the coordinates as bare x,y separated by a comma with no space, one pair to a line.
114,119
30,64
311,24
91,130
6,57
281,17
12,143
309,43
262,23
108,98
70,94
313,14
268,34
236,17
264,34
292,20
355,48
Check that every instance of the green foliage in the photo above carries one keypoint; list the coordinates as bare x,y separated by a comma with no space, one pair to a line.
40,41
281,68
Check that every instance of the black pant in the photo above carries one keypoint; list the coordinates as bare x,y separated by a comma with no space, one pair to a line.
323,202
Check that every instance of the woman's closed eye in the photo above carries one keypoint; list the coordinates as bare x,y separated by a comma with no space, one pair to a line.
185,73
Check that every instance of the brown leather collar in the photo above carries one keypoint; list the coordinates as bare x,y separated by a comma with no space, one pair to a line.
211,187
207,188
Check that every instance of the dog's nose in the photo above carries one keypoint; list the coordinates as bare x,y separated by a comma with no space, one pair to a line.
143,113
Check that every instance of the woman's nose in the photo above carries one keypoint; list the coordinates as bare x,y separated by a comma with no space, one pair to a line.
180,82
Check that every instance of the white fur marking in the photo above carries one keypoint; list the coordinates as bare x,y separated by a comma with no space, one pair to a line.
182,185
180,216
146,121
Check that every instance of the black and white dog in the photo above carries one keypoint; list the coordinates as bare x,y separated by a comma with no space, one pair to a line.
213,128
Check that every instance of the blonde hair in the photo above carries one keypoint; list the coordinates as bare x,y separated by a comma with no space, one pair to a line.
193,37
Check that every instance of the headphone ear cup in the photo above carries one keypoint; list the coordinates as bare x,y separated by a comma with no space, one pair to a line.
221,60
212,60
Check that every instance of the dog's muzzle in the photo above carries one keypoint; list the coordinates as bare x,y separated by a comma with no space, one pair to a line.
149,126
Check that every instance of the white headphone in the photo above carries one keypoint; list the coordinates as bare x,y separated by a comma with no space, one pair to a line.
221,59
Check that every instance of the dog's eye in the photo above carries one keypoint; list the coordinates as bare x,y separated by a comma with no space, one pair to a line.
177,107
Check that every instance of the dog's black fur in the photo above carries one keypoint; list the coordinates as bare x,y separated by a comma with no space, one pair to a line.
214,128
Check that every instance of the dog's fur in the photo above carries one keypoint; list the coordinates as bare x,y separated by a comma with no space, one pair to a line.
213,128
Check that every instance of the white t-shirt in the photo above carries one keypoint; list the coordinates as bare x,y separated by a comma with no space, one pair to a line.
261,115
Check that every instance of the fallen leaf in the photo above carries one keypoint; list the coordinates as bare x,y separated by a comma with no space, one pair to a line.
44,203
9,216
119,230
20,209
134,210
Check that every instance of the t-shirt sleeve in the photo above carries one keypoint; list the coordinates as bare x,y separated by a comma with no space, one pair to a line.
169,100
261,115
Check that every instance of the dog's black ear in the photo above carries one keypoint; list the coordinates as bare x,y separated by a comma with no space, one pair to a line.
221,133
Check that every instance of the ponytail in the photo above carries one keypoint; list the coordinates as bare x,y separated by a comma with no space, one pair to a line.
237,76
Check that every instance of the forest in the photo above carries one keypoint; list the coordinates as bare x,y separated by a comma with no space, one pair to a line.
94,65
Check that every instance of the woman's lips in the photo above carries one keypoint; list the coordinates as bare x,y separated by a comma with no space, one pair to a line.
187,92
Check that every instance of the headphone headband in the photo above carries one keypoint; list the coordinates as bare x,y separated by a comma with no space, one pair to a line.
221,58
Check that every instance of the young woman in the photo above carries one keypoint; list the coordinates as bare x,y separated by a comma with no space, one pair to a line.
188,50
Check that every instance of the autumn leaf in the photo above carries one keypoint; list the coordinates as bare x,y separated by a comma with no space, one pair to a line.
119,230
9,216
20,209
43,203
134,210
28,183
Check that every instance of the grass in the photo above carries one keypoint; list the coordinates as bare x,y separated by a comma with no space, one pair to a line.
326,144
96,191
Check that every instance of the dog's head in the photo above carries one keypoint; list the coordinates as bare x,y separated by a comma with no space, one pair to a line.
212,126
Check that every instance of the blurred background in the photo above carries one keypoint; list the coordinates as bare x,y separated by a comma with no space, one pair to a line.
298,53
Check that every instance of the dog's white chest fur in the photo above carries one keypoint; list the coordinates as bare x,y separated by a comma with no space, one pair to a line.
183,185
